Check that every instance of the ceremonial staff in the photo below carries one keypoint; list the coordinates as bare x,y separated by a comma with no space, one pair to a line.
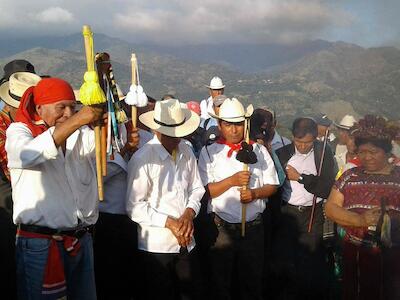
136,96
92,94
314,201
246,156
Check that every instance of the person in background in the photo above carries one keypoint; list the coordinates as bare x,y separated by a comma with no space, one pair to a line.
343,130
324,124
216,87
18,76
265,119
163,197
365,200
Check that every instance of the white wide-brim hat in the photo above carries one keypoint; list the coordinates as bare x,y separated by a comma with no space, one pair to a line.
171,118
216,83
347,122
12,90
233,111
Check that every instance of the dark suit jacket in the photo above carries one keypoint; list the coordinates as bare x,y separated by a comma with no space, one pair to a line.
317,185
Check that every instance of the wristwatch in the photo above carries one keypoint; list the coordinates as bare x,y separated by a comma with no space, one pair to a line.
300,179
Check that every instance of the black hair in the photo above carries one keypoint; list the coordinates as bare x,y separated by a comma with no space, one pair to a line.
303,126
383,144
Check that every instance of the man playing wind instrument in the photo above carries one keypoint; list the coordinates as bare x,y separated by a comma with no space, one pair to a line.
50,151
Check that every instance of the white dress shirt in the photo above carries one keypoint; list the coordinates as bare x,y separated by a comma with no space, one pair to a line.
294,192
115,181
215,166
205,106
159,187
49,188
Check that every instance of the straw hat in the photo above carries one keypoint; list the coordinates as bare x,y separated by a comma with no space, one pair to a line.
233,111
11,91
216,83
347,122
171,118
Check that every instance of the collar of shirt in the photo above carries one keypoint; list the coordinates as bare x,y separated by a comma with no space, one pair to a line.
163,153
305,155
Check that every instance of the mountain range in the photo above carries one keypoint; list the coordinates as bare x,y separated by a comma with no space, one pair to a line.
335,78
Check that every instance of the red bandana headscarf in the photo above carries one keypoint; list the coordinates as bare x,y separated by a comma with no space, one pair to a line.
48,90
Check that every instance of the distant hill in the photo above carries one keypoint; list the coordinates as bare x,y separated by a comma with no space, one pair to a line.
335,78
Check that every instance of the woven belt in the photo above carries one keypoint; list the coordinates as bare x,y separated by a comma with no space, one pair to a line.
77,232
236,226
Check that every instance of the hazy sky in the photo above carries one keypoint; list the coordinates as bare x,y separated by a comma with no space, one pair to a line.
364,22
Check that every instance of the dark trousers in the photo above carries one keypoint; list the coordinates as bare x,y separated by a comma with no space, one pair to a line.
7,256
115,258
237,259
172,276
300,255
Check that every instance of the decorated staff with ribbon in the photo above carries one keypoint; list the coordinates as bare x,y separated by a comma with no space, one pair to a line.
221,169
111,134
136,96
91,94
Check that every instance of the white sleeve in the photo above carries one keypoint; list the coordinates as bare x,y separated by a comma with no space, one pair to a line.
139,184
205,167
196,188
25,151
270,176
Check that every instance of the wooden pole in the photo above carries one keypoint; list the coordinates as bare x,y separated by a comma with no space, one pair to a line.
97,129
245,168
314,204
134,81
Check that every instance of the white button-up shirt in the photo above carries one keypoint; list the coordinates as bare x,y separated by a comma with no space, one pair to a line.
49,188
294,192
159,187
215,166
116,179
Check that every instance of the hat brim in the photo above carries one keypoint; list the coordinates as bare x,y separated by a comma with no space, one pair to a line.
248,113
342,126
5,96
192,122
215,87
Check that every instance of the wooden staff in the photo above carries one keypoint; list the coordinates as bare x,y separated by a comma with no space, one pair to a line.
314,204
245,168
134,82
92,94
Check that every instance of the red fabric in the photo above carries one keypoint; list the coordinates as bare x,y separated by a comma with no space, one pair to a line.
233,147
47,91
355,161
5,121
194,106
54,278
364,191
370,273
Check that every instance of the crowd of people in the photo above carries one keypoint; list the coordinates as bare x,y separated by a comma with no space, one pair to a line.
202,201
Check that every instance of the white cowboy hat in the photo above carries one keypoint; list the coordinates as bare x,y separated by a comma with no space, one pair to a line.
170,118
347,122
233,111
216,83
11,91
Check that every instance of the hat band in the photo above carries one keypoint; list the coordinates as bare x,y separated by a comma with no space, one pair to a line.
15,97
170,125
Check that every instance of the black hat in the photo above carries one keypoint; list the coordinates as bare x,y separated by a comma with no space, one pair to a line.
323,120
18,65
